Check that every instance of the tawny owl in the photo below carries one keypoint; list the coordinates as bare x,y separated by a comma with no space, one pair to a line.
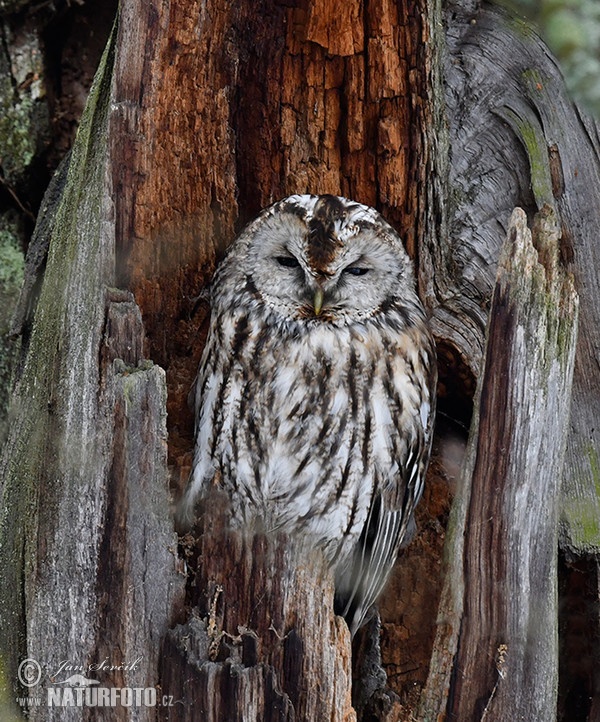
316,390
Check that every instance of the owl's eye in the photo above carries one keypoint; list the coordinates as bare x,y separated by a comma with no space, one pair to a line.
287,261
356,270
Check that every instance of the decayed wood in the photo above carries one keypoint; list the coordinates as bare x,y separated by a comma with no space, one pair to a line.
517,139
263,642
244,103
52,467
87,546
501,594
140,581
200,115
37,253
214,109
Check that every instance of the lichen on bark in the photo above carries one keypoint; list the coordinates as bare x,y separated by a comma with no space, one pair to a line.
48,462
25,120
11,277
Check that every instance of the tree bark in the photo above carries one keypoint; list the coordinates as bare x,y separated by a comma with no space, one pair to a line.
263,643
507,659
508,108
496,651
97,410
85,507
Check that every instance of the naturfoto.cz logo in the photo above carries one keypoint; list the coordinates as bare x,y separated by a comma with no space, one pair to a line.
77,690
104,697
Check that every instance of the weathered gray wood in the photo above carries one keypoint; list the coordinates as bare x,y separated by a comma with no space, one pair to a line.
140,579
517,139
88,552
67,501
198,87
499,613
244,103
50,471
37,253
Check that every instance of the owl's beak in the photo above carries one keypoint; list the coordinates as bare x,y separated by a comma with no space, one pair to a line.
318,301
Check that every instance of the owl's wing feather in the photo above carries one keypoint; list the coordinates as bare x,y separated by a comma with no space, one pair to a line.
376,552
370,565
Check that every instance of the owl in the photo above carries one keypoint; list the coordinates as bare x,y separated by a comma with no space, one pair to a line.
315,394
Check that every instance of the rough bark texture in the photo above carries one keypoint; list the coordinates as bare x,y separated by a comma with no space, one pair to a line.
201,114
140,578
517,139
496,652
245,103
51,462
507,661
85,513
263,642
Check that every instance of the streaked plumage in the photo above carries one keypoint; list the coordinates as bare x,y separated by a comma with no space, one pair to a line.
316,389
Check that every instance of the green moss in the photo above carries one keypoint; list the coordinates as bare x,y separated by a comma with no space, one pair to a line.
11,278
8,712
46,446
11,260
17,139
582,515
595,467
24,120
567,327
519,25
532,137
583,522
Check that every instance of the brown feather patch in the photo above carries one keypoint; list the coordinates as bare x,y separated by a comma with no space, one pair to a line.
323,242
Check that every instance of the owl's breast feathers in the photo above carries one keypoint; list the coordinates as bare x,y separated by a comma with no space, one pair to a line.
306,426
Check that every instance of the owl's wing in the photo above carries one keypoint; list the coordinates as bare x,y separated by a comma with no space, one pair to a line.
360,582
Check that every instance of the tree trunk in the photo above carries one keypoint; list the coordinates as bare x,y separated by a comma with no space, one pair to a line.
85,507
214,112
201,114
508,645
269,646
507,107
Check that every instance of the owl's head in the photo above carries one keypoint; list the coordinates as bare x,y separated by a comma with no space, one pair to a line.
323,258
